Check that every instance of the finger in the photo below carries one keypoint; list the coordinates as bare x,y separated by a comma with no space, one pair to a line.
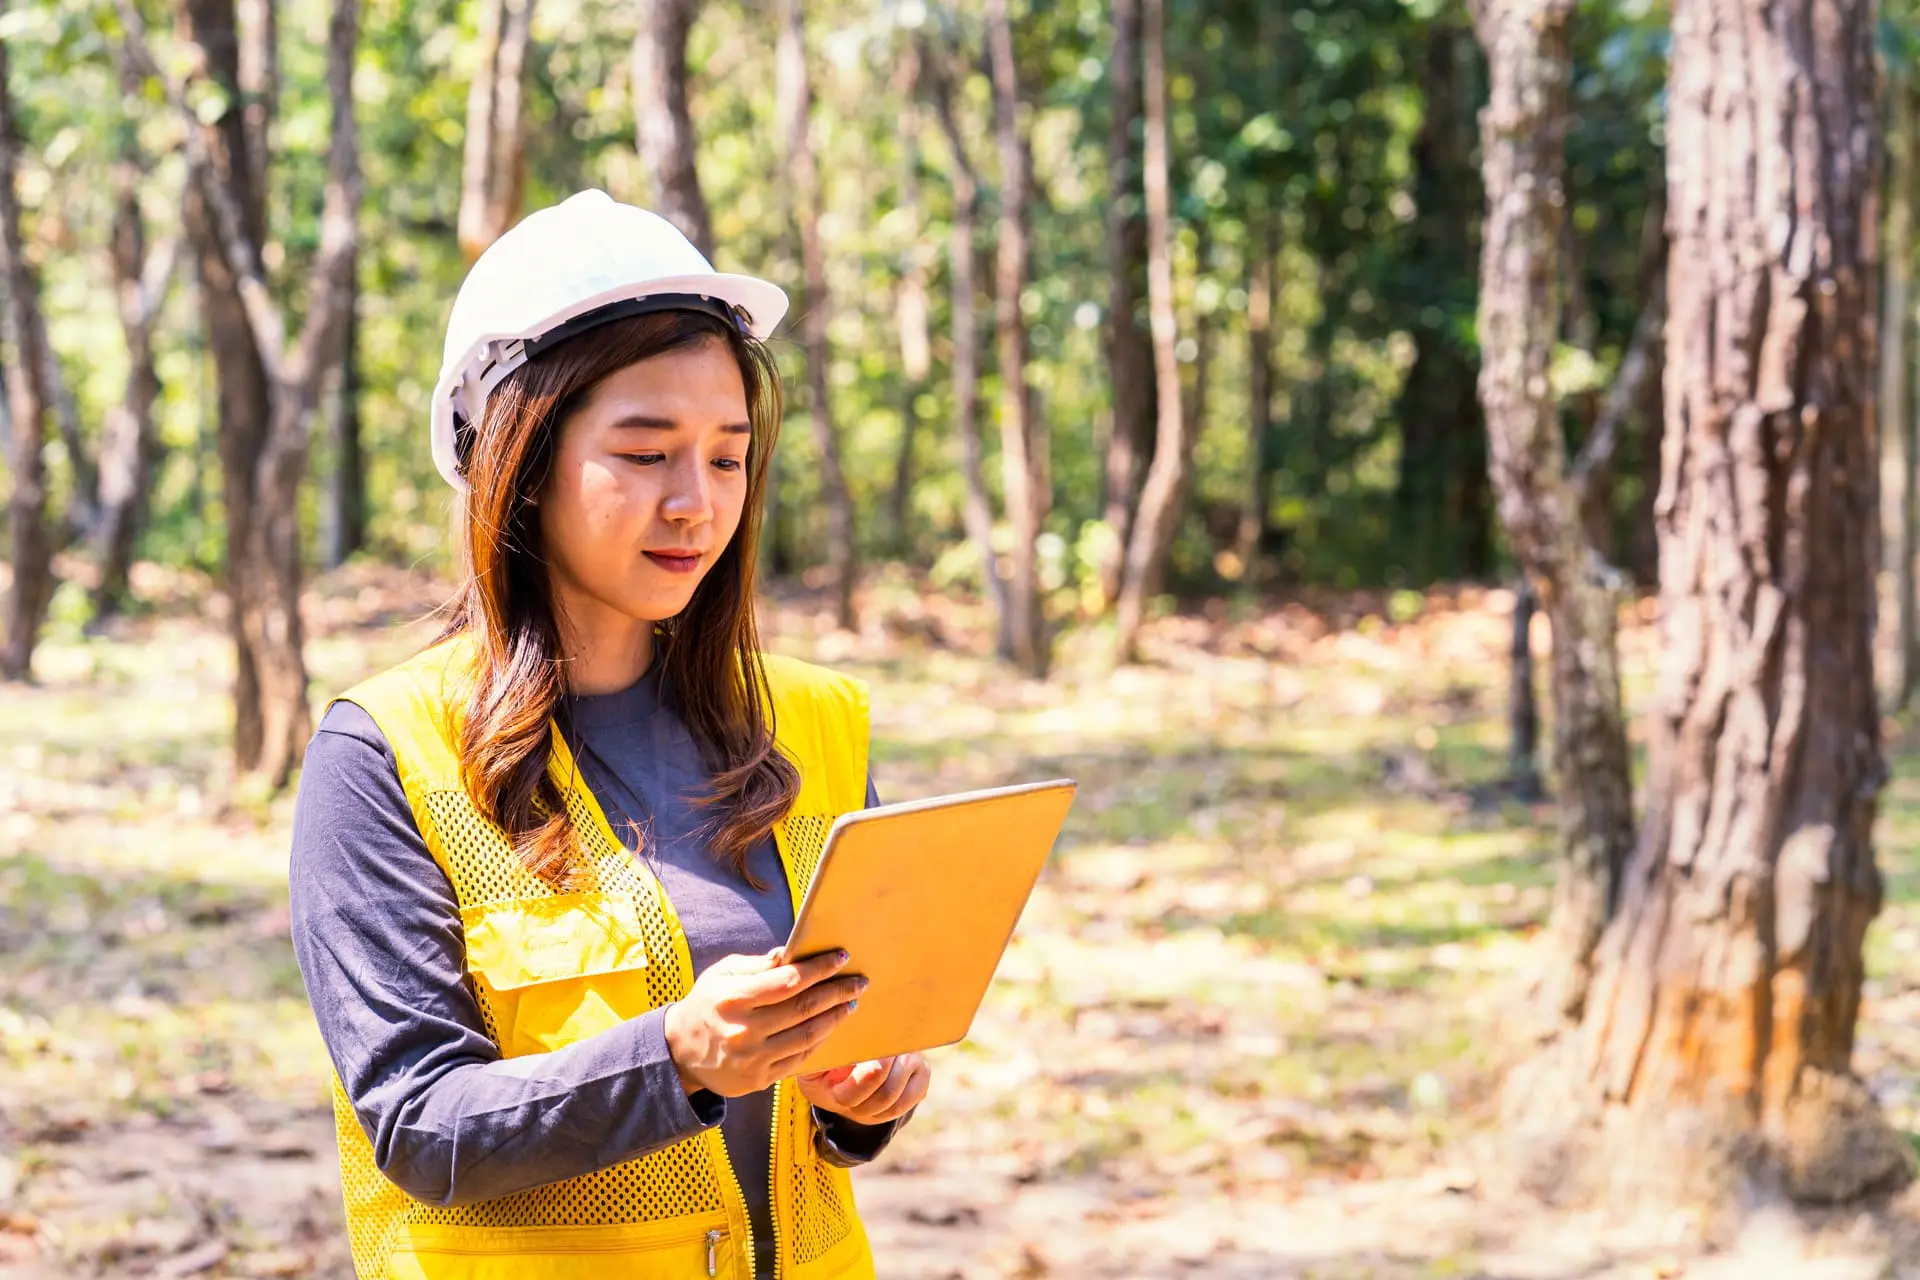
785,981
919,1079
799,1040
889,1091
811,1003
856,1090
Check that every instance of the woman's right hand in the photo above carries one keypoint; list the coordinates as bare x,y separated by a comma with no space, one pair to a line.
750,1020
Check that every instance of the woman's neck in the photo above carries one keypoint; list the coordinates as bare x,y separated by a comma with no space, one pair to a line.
605,650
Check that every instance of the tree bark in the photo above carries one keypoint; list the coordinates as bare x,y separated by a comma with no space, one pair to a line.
977,509
911,305
494,164
1165,492
794,94
1442,507
1523,131
28,402
663,124
343,522
1730,981
1263,287
1896,463
272,716
1129,346
1523,708
130,438
1022,441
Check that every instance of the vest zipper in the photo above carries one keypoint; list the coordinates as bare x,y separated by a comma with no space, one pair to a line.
773,1175
713,1252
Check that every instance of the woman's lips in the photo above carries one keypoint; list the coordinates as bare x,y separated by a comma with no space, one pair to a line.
675,562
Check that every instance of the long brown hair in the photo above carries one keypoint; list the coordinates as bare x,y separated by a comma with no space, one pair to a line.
711,673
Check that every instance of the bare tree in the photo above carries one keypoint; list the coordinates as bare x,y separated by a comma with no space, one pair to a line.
1896,412
1130,367
1263,278
1165,492
1719,1024
1523,131
793,92
272,717
129,437
977,509
1023,443
911,303
662,121
343,502
494,165
29,400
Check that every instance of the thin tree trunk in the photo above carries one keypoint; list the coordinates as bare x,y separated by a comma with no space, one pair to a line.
1442,506
494,164
794,93
344,514
1896,464
1730,981
29,543
911,304
664,124
1263,279
1165,491
1523,708
1523,131
1130,366
130,438
258,75
977,508
1022,450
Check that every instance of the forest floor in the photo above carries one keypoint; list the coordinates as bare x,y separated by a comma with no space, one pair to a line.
1250,1026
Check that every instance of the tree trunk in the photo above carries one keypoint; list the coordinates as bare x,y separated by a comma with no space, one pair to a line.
1022,443
343,519
1730,981
662,121
30,545
1263,280
1896,464
129,439
1165,492
911,304
977,509
1523,708
794,93
273,719
1442,507
1130,366
257,72
241,378
494,165
1523,131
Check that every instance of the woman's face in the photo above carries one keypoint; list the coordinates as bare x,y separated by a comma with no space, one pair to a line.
648,483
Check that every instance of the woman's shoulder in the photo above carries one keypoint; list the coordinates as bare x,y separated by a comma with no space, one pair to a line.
792,680
436,677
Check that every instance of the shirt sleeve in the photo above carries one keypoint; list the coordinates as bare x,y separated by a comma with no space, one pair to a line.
848,1143
376,931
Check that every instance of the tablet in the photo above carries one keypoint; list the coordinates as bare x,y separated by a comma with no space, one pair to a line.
924,896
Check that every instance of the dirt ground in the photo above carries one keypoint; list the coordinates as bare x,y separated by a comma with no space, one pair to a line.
1249,1027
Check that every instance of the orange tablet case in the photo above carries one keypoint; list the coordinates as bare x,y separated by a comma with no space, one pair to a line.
924,897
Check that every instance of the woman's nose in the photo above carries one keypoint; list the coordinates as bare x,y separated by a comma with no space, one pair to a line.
688,498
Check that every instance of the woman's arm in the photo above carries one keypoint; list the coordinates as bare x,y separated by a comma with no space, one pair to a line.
376,930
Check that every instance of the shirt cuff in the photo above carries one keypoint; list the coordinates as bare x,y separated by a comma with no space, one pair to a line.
848,1144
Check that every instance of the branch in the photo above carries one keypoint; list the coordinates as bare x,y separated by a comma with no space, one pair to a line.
1629,383
937,71
236,248
339,214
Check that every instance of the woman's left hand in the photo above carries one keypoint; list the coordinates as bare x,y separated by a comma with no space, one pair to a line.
871,1092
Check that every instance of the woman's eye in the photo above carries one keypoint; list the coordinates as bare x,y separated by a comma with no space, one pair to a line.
645,459
728,464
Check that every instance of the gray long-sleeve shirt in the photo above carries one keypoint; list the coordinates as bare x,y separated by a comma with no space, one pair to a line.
376,930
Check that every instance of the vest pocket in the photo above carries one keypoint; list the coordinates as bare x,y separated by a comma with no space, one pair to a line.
551,971
680,1248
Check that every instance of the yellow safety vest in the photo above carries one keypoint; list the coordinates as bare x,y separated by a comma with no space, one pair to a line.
553,968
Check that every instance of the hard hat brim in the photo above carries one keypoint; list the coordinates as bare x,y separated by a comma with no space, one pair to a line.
764,302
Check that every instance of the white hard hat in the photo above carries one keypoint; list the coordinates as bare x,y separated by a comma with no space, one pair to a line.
560,271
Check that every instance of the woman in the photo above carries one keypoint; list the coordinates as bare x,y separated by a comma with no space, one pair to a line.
542,871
